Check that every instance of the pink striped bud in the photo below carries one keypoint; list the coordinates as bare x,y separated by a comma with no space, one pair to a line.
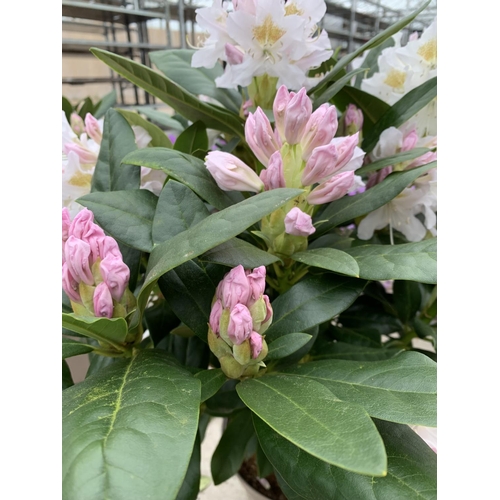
231,174
215,315
235,288
298,223
297,114
353,119
115,274
423,160
240,324
345,148
321,165
260,136
85,155
76,123
257,282
233,54
92,128
70,285
320,129
410,141
77,255
273,176
332,189
279,109
255,344
103,301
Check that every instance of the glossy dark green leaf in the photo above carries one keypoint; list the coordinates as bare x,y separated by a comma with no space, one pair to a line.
306,413
370,62
402,111
342,350
160,118
126,215
191,485
173,94
72,348
330,259
193,138
363,337
191,352
128,431
108,101
67,107
425,331
407,299
226,401
287,344
184,168
230,452
211,381
264,466
312,301
86,106
67,379
117,141
208,233
98,363
409,261
176,64
411,468
405,156
401,389
158,137
350,207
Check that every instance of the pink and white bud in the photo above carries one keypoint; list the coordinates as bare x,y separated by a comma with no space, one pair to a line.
215,315
66,223
76,123
320,129
240,324
77,255
345,148
115,274
321,165
332,189
273,176
423,160
260,136
298,223
235,288
233,54
70,285
255,344
279,109
93,128
257,282
103,301
353,119
297,114
86,156
410,141
231,174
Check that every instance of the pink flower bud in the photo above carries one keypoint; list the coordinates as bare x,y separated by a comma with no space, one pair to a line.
332,189
320,129
233,54
273,176
353,118
345,148
257,281
240,324
246,106
92,128
279,109
76,123
423,160
81,224
115,274
410,141
260,136
85,155
66,222
235,288
321,165
109,246
70,285
377,177
298,223
269,314
95,238
77,255
215,315
231,174
255,344
103,301
297,114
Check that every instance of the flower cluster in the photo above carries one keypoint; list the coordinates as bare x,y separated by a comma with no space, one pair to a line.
259,37
241,313
94,276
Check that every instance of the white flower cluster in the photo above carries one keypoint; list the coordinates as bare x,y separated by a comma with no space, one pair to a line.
263,37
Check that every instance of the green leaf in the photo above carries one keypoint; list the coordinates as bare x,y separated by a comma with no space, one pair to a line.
67,108
159,117
407,299
126,215
191,485
330,259
312,301
401,389
114,331
192,139
350,207
172,94
211,382
67,379
230,452
118,139
370,63
176,65
411,468
342,350
108,101
334,89
402,111
184,168
158,137
72,348
409,261
235,252
86,106
392,160
128,431
287,344
306,413
209,233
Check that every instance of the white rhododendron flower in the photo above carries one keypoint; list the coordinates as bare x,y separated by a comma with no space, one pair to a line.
260,37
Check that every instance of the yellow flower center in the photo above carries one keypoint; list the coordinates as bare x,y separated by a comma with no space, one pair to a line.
428,51
80,179
267,33
396,79
292,9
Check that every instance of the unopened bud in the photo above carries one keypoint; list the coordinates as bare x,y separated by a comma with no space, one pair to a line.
353,119
319,130
92,128
273,176
77,255
298,223
298,112
235,288
115,274
240,324
321,165
103,302
331,190
76,123
260,136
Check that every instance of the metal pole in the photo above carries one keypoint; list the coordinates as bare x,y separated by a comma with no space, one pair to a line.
167,24
352,27
377,20
182,26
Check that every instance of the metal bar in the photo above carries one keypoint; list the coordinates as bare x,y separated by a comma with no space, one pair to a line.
182,25
352,26
167,24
